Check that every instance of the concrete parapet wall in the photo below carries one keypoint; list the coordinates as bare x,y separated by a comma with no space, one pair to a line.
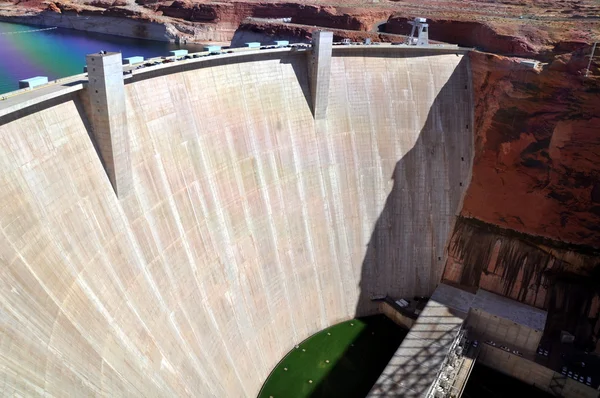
533,373
396,316
504,331
247,228
516,366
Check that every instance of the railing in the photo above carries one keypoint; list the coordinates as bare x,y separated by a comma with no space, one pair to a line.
445,384
67,79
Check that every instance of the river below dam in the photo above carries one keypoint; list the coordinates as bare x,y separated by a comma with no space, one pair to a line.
27,51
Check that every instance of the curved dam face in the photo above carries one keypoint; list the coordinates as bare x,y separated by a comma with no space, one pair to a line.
249,227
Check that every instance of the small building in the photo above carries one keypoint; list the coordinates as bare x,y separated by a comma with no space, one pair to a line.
134,60
212,49
282,43
253,44
532,63
507,322
33,82
179,53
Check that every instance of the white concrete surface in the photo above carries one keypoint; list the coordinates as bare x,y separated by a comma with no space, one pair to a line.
416,363
511,310
249,226
319,70
108,114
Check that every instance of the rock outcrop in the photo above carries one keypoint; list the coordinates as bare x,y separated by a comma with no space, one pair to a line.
509,28
538,149
530,219
561,278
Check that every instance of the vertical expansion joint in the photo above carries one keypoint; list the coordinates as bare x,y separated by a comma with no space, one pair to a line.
106,91
320,72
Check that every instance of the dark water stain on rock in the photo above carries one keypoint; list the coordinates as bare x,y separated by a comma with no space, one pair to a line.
561,196
534,164
569,296
473,244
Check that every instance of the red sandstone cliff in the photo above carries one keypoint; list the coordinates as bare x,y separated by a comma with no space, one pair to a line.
537,158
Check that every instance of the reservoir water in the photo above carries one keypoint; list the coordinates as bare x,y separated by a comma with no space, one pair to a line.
27,51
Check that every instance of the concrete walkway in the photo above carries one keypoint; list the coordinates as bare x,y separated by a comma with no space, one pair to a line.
416,363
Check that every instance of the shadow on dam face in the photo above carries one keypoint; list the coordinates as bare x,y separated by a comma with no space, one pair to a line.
249,227
411,234
412,223
407,243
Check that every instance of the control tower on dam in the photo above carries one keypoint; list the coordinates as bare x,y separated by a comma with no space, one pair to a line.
250,200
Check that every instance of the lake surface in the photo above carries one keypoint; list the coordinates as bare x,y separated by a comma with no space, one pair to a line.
26,51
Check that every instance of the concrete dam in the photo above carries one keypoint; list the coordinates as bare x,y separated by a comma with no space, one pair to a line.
253,218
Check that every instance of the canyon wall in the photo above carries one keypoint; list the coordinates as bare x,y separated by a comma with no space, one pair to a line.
530,221
537,154
517,28
249,227
114,25
185,20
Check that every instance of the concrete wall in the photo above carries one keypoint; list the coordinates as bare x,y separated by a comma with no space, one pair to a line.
396,316
532,373
248,227
504,331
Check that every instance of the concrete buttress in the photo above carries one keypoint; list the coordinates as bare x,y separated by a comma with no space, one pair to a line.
320,72
109,117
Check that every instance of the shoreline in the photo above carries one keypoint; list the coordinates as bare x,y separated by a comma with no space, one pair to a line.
115,26
122,26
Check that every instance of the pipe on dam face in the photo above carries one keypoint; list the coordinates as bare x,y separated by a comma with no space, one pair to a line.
248,226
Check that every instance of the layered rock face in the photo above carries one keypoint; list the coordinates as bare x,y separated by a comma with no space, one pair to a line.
519,27
249,227
538,146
